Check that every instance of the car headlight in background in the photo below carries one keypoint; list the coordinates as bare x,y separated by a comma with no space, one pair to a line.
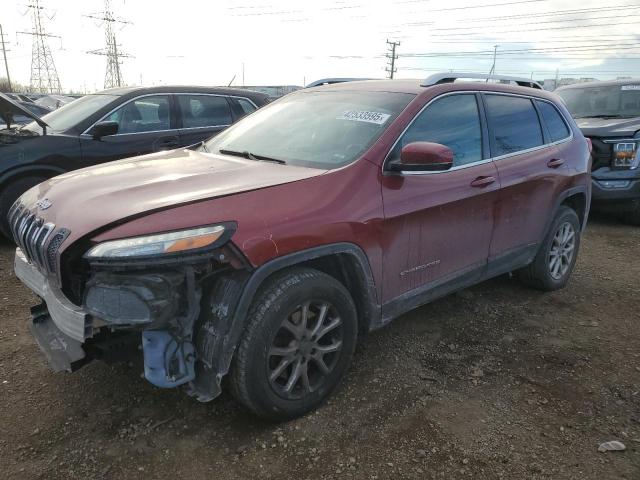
158,244
626,155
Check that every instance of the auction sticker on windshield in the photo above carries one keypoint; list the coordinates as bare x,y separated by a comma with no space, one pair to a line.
630,87
363,116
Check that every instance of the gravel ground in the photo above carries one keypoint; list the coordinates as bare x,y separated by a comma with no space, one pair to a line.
497,381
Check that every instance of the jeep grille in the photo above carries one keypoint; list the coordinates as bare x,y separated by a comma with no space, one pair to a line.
34,236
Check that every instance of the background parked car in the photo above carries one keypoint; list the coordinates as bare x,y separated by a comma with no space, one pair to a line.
20,117
53,102
609,114
114,124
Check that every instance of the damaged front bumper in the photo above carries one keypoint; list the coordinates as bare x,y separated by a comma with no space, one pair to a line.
181,317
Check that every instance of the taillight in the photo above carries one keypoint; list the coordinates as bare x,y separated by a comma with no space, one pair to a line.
589,144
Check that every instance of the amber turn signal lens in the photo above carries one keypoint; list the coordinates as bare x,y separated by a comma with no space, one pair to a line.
194,242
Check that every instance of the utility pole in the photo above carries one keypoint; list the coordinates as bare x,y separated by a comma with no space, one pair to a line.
391,55
6,64
113,76
493,67
44,76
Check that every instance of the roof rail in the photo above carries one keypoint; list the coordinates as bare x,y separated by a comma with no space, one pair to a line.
450,77
331,81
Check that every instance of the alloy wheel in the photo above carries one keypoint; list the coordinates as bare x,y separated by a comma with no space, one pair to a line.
305,349
562,250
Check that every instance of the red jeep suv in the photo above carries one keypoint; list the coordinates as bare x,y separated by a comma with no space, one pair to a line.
268,250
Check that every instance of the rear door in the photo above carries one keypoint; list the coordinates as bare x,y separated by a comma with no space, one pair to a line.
202,116
145,124
438,225
530,167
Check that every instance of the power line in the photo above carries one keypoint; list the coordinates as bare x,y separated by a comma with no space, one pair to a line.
487,5
538,15
44,76
529,30
539,23
620,46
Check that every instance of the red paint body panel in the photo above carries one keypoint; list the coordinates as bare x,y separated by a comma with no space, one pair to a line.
89,199
435,225
343,205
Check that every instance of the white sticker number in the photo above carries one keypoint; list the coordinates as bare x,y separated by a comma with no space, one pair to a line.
362,116
630,87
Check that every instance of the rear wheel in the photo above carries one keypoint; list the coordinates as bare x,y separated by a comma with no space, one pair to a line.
298,344
8,197
552,266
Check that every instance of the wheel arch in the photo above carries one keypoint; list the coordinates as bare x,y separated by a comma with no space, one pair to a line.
346,262
28,171
579,199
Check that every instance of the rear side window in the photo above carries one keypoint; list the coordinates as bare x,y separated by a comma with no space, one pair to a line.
553,120
241,107
246,105
204,111
452,121
514,122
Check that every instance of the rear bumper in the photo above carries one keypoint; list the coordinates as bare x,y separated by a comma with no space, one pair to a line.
70,319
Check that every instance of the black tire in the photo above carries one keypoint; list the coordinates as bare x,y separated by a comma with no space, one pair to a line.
541,273
632,217
8,197
283,296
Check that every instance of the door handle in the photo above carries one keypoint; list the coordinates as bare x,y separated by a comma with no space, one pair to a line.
555,162
482,182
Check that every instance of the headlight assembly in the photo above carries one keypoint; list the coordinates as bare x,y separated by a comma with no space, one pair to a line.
158,244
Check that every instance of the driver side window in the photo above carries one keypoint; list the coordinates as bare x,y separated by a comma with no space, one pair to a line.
453,121
145,114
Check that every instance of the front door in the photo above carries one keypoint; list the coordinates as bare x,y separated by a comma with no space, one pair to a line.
438,225
145,125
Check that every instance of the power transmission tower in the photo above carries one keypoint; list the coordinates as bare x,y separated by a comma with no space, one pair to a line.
391,55
6,64
44,76
113,77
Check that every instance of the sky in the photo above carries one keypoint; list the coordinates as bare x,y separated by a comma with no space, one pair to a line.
294,42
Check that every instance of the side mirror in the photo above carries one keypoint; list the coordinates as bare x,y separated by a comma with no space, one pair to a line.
425,157
104,129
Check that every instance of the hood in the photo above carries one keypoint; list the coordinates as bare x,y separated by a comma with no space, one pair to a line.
10,109
609,127
88,199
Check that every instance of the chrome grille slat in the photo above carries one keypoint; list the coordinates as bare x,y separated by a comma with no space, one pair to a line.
33,236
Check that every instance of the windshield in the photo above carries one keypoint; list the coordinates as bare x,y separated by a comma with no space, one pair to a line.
72,113
313,129
611,101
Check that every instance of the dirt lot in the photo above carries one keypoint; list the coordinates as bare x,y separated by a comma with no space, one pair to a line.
495,382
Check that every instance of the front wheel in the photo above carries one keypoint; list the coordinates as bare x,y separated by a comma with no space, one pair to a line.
297,346
554,262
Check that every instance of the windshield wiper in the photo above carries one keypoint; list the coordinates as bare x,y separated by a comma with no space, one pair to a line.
251,156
